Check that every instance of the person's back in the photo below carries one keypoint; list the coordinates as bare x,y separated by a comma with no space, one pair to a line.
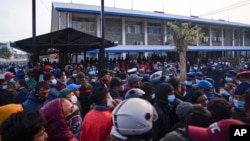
97,122
85,91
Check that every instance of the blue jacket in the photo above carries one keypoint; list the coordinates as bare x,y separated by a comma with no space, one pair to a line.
21,95
54,92
33,102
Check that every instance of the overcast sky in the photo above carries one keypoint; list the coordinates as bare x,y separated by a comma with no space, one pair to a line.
16,15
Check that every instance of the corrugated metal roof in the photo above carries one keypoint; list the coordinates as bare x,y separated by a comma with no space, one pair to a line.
82,8
160,48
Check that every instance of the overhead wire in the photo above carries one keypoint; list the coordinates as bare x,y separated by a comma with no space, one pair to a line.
236,5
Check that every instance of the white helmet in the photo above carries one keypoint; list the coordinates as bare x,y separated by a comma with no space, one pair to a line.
134,116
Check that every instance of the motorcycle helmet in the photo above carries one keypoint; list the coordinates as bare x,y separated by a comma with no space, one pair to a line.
134,116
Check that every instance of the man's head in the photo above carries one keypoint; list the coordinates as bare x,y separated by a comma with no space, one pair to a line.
27,125
3,84
66,93
199,97
42,90
105,75
116,83
219,108
134,80
204,85
238,98
100,96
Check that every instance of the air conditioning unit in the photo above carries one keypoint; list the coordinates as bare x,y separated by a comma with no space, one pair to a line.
205,39
214,39
219,39
140,42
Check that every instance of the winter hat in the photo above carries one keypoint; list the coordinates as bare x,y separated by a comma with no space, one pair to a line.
183,108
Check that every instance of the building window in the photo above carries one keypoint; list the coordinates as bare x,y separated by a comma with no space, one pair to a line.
84,24
154,28
133,29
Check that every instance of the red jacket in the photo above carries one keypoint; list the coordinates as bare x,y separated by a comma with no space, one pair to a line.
96,125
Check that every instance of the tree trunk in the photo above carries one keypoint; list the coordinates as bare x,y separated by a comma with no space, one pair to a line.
183,68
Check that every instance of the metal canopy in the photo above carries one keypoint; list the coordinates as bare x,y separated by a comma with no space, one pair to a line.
67,40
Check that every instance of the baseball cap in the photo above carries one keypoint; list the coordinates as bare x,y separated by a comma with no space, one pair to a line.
8,75
132,78
204,84
64,92
215,132
116,81
73,86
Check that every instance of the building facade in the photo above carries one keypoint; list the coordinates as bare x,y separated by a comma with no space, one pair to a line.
147,32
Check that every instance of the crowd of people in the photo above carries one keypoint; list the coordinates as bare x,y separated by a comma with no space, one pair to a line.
130,100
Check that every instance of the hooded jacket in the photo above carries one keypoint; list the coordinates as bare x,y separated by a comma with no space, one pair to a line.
56,127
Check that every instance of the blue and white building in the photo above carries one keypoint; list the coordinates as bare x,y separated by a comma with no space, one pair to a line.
147,32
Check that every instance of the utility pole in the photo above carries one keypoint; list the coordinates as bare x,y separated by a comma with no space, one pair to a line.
34,50
101,57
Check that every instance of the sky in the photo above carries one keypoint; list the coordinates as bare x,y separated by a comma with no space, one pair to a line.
16,15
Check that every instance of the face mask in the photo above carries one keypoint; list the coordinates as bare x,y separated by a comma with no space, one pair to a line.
41,98
74,122
239,82
74,75
4,87
188,83
153,96
26,79
122,88
238,104
12,80
195,68
171,98
110,103
53,82
225,92
230,99
197,81
73,99
228,79
92,80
